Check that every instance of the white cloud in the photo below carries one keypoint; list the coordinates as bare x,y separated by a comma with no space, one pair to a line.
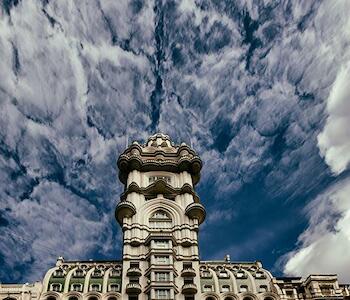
324,245
334,140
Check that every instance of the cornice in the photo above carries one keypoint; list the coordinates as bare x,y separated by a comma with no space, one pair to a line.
160,186
145,159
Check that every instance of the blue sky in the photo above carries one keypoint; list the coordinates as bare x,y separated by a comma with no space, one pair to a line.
259,88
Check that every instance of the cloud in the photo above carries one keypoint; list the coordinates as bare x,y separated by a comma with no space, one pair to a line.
324,246
334,140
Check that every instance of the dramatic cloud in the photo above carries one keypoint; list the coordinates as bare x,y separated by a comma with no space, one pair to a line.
334,141
324,245
258,88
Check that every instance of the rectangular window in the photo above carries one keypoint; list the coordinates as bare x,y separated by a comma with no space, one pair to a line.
243,288
162,244
162,294
58,273
95,287
162,276
134,279
263,288
115,273
134,265
225,288
152,179
188,280
162,260
207,288
77,287
113,287
56,287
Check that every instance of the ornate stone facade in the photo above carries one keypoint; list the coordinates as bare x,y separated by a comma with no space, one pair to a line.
160,215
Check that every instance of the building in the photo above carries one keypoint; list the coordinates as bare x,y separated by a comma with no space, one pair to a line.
160,215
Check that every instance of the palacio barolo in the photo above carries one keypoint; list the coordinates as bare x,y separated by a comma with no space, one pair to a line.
160,215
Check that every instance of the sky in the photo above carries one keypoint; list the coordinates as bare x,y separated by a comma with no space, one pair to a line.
259,88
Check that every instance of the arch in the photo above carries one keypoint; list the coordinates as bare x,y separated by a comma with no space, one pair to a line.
233,281
47,277
229,296
111,296
248,296
51,297
210,296
175,212
270,296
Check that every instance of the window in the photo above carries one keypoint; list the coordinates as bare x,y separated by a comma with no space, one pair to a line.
225,288
207,288
160,219
79,273
152,179
243,288
326,290
58,273
162,276
162,244
206,274
111,298
259,275
163,294
78,287
73,298
240,274
223,274
134,265
263,288
51,298
95,287
289,293
133,298
187,265
113,287
188,280
134,280
96,273
92,298
162,260
114,273
56,287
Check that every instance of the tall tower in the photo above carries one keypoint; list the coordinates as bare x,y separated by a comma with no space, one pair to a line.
160,213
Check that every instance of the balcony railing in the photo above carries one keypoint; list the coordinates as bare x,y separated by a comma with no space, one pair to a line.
189,289
188,272
134,271
133,288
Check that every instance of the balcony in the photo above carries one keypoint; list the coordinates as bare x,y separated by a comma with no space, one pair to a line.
189,289
134,271
188,272
133,288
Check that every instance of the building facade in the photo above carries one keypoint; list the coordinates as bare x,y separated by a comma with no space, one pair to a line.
160,215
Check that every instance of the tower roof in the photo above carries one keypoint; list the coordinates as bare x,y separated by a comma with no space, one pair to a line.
159,153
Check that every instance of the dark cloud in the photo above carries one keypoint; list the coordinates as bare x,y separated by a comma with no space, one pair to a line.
245,83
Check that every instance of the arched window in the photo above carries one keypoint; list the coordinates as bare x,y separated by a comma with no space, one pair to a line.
51,298
268,298
247,298
92,298
210,298
112,298
228,298
160,219
73,298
